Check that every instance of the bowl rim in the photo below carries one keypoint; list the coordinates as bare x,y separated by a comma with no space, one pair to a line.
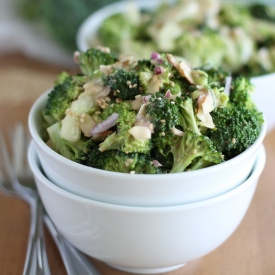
40,101
116,7
34,163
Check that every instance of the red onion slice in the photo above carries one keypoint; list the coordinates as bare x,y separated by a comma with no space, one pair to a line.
158,70
146,98
156,163
168,94
106,124
155,55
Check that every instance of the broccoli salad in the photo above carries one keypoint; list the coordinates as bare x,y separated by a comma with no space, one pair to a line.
238,37
149,116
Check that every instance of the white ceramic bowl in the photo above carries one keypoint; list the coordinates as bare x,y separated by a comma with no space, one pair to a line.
88,29
145,239
140,190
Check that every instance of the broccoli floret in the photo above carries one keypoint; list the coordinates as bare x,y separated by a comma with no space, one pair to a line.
164,115
164,158
145,72
114,31
126,143
103,160
75,151
121,139
188,119
117,161
262,11
124,85
144,65
235,129
193,151
193,48
126,116
234,15
91,60
62,95
240,93
216,76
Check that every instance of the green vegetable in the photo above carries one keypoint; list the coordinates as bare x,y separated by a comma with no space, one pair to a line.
194,48
193,151
126,85
121,139
65,91
240,93
187,115
236,129
164,115
117,161
149,116
91,60
115,35
75,151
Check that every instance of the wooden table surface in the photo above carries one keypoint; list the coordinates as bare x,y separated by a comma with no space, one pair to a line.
249,251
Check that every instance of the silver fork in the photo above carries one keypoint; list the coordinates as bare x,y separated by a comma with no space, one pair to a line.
75,262
36,261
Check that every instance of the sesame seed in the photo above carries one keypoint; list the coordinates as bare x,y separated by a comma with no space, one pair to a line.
132,172
163,134
162,120
233,140
128,82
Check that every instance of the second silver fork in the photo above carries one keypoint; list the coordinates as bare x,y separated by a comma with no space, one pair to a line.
36,262
75,262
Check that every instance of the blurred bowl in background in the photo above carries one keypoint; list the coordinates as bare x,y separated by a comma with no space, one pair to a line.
264,84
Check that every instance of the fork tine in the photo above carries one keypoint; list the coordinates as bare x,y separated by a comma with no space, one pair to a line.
17,137
6,164
4,189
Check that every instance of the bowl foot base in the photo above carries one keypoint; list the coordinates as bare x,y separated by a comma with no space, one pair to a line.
147,270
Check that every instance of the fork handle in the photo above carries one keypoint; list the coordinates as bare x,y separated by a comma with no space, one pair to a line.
75,262
36,262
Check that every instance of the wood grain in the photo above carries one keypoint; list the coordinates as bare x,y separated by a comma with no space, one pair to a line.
249,251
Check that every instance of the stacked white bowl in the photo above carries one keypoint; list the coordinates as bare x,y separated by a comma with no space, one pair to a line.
143,223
